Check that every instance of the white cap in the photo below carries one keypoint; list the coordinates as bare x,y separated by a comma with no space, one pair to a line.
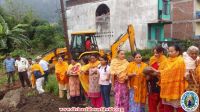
38,57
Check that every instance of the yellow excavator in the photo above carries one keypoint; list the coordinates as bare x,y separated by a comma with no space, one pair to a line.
78,46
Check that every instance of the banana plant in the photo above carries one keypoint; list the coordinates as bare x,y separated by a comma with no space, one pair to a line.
12,36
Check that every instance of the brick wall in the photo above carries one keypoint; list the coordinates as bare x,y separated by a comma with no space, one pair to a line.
167,29
182,17
182,10
182,30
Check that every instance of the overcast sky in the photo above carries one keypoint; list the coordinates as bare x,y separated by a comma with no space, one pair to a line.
46,9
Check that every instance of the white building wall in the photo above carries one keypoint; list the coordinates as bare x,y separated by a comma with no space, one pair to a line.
122,13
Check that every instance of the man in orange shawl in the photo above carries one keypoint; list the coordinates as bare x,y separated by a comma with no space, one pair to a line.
137,84
118,70
154,100
37,76
173,83
61,75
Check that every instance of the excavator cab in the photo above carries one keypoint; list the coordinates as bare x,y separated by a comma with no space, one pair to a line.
79,49
80,45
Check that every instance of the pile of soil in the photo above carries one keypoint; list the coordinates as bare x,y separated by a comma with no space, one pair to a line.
31,101
41,103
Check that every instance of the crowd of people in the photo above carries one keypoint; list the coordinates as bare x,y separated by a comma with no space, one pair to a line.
32,73
161,81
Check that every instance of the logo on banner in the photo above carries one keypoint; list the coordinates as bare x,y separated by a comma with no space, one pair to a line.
189,101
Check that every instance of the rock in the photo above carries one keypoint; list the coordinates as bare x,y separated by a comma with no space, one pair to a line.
11,99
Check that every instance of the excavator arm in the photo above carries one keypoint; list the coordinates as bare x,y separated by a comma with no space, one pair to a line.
51,55
122,39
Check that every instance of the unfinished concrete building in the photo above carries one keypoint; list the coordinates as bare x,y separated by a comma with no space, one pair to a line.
110,18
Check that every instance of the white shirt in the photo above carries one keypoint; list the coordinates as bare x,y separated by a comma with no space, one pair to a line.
22,64
44,64
29,69
103,75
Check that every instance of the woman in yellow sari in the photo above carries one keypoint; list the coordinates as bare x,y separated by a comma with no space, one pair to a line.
118,70
89,80
154,100
74,83
61,75
172,80
94,88
137,84
84,80
84,75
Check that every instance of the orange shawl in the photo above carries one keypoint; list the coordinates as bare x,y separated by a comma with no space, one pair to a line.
119,68
138,82
172,82
60,70
198,73
154,59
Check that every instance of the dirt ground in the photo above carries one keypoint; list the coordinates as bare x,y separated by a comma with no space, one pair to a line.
41,103
31,101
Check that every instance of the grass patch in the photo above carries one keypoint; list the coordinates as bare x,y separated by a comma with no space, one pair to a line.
4,79
31,93
52,85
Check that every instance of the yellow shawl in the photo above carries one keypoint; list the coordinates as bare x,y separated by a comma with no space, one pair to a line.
172,82
119,68
154,59
60,70
138,82
35,67
84,76
92,65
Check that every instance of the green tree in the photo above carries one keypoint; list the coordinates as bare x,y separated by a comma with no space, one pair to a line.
43,37
14,37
